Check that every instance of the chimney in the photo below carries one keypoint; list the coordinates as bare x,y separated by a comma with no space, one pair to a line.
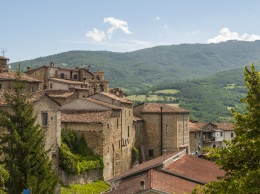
52,64
88,68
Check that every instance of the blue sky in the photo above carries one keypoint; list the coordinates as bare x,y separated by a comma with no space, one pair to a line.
31,29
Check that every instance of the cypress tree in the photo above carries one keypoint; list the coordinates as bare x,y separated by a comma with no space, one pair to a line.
23,145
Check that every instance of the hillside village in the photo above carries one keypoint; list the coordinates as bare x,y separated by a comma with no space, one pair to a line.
148,147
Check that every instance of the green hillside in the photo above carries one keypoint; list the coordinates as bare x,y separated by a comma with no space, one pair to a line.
208,99
139,70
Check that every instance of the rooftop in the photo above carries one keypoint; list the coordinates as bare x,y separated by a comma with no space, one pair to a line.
156,108
12,75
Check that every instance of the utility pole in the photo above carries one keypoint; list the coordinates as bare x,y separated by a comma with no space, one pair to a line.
3,51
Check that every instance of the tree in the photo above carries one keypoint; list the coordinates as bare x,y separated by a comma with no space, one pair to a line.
241,157
23,145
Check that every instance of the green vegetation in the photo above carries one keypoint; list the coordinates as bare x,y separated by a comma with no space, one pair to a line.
74,155
135,153
241,157
140,70
92,188
23,146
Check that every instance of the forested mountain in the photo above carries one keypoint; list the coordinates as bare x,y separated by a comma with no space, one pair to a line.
162,65
208,99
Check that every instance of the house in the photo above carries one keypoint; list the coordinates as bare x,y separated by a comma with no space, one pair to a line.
105,129
166,129
176,172
79,79
205,134
47,112
7,78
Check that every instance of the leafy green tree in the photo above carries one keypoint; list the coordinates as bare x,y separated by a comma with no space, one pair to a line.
241,157
23,145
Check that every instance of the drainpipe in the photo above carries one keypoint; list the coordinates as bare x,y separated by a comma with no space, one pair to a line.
161,115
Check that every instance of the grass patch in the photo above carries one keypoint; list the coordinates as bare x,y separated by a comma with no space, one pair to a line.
92,188
168,91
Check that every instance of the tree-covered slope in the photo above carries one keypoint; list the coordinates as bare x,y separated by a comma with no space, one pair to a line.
137,70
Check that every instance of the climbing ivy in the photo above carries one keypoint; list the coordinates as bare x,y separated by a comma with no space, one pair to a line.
74,155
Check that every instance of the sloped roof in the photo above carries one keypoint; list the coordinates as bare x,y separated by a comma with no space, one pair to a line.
156,108
196,168
146,165
60,93
85,117
66,81
3,58
194,127
12,75
103,103
226,126
115,97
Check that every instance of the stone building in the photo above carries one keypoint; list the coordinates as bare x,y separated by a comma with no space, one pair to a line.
80,79
7,78
106,129
166,129
205,134
48,117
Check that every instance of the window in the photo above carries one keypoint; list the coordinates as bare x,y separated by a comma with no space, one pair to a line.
32,88
151,152
221,134
117,123
108,126
231,135
195,134
50,85
44,119
75,77
62,75
0,86
101,88
166,129
128,131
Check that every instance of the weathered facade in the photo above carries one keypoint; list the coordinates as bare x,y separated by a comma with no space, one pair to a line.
166,129
56,78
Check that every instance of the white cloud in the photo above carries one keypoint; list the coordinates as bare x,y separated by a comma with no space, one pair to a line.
157,18
96,35
225,34
116,24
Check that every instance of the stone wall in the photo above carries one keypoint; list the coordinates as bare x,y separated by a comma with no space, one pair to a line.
84,178
195,141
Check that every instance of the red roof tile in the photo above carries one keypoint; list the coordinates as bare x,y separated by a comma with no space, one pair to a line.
194,127
103,103
66,81
225,126
146,165
196,168
60,93
123,100
12,75
84,117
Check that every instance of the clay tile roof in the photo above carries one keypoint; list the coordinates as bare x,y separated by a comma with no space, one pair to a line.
84,117
225,126
3,58
196,168
154,180
145,166
156,108
194,127
66,81
12,75
123,100
103,103
59,93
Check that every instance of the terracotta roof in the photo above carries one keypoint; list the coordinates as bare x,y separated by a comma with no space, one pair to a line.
113,96
154,180
66,81
156,108
196,168
194,127
84,117
12,75
145,166
59,93
103,103
225,126
3,58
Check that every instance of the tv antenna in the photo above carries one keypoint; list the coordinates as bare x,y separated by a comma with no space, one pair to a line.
3,51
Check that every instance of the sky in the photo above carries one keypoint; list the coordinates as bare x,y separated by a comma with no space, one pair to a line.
31,29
